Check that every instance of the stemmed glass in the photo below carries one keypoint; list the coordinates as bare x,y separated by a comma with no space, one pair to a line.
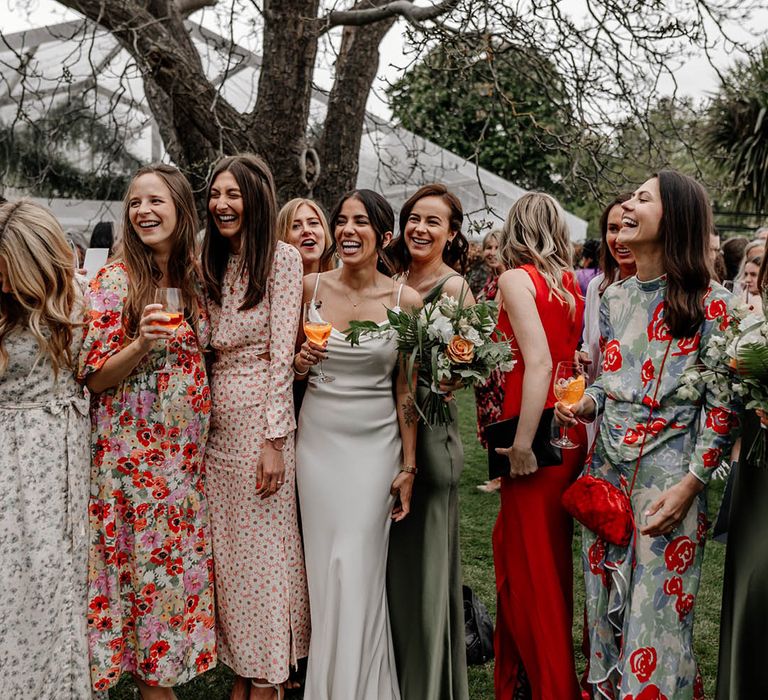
317,331
173,309
569,385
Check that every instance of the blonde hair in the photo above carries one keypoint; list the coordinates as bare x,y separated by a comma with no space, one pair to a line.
41,277
285,221
535,233
494,235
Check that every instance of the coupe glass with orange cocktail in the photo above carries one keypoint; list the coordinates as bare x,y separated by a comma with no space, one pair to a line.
317,331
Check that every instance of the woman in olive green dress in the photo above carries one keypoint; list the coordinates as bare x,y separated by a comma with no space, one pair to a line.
424,568
741,670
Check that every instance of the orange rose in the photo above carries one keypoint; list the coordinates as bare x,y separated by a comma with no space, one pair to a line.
460,351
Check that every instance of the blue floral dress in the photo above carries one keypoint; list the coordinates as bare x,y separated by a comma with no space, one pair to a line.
640,598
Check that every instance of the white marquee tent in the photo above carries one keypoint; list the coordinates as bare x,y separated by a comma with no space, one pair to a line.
79,59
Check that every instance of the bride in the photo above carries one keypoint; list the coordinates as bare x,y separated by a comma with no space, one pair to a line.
355,452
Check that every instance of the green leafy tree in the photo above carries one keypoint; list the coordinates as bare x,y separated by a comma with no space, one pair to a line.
736,131
502,107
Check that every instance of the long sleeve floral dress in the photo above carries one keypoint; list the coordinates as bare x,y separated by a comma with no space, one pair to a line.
640,598
262,603
44,470
151,569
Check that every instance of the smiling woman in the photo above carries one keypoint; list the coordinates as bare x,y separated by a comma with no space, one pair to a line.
302,224
254,290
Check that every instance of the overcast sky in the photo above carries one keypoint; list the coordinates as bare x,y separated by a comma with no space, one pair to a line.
696,78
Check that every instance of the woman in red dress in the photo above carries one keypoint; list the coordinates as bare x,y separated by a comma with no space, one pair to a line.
541,310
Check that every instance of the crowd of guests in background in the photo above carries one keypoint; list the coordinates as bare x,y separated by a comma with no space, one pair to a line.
212,481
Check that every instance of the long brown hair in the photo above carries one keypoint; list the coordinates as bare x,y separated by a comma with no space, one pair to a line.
456,253
608,263
258,229
686,222
41,276
143,272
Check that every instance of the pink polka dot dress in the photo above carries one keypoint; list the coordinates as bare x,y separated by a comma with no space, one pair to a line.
262,605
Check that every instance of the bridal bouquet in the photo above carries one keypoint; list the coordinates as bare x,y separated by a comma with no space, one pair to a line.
444,339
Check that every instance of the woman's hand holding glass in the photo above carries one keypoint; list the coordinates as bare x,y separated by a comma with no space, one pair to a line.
309,355
151,328
566,416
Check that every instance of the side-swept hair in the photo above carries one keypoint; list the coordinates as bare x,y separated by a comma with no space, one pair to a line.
535,233
41,277
258,229
686,222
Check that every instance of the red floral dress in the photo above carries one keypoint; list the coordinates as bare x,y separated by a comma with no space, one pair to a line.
640,598
151,571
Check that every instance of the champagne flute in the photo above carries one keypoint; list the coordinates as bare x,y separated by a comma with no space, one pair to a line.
317,331
173,309
569,385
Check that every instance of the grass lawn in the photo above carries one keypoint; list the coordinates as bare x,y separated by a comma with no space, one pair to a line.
478,513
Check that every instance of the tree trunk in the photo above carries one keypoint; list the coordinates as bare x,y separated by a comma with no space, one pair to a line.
279,121
339,145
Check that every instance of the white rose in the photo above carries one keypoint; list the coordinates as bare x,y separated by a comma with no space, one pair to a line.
440,328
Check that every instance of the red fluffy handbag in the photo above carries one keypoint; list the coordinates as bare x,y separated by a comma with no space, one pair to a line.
599,505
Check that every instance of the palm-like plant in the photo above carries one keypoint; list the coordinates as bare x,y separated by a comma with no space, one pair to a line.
736,130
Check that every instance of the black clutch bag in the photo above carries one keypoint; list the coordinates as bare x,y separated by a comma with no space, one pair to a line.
502,434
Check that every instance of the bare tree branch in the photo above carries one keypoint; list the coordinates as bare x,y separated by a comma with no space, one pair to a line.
187,7
406,9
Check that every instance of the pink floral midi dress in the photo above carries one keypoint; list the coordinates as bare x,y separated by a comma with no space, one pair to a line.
262,604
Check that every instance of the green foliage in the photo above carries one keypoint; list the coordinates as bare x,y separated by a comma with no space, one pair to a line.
37,155
736,130
503,107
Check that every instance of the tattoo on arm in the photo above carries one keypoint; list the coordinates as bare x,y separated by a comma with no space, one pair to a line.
410,414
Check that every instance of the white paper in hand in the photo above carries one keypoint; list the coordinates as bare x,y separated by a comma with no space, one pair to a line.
95,259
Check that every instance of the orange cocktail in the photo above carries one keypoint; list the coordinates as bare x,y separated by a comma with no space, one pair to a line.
317,333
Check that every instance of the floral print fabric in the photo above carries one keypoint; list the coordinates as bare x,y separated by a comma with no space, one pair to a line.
640,599
44,470
262,603
151,569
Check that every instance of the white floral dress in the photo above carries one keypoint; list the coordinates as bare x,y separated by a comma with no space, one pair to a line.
44,470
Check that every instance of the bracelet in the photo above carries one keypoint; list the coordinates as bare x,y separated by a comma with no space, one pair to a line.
273,441
409,469
296,371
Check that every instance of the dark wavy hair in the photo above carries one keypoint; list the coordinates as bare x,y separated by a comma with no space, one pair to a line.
608,263
258,229
684,229
456,253
382,219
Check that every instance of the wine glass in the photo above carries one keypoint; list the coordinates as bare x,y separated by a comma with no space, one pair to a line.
317,331
569,385
173,309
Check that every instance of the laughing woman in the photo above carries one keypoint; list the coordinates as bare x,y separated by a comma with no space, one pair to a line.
151,582
658,442
424,568
254,287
